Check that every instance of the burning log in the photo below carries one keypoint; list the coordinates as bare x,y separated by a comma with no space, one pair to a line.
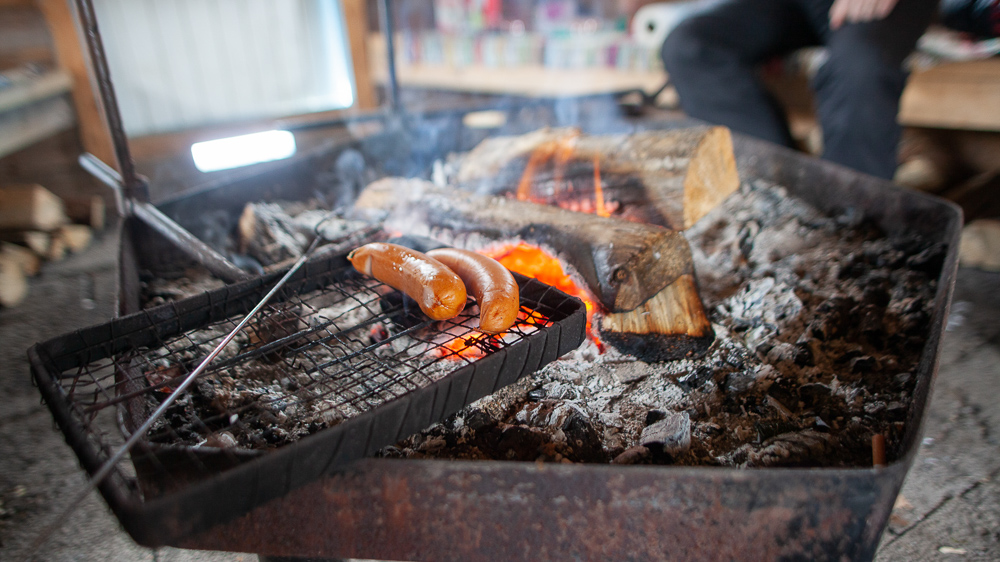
683,174
623,263
643,274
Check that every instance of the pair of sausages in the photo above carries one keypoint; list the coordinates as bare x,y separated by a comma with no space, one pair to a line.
437,281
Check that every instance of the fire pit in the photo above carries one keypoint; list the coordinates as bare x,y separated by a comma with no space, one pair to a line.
408,509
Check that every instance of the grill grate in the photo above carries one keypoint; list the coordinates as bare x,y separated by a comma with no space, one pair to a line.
335,368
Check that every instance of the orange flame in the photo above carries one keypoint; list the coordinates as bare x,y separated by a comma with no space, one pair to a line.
532,261
601,210
561,150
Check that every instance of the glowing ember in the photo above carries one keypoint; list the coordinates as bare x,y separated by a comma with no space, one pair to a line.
470,347
532,261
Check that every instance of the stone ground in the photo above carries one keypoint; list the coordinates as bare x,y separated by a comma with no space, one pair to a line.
949,508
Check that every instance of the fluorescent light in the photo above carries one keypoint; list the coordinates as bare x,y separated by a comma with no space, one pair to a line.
233,152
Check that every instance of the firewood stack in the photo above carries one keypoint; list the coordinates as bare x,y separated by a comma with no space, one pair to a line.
37,226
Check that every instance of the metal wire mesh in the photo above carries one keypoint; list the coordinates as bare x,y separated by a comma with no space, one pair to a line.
333,346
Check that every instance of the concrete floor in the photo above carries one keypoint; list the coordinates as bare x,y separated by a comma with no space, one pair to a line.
949,508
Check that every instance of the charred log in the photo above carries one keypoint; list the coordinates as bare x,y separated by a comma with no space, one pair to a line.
623,263
680,175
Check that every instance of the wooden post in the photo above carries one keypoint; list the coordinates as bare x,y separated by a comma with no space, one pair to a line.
70,54
355,20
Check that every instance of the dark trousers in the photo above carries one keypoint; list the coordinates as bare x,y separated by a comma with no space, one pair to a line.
712,60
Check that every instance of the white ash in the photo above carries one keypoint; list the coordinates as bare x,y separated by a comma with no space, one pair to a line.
819,322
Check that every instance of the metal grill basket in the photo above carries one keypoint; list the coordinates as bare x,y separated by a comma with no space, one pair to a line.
337,367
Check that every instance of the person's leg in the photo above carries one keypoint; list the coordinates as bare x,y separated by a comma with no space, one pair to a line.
858,87
712,60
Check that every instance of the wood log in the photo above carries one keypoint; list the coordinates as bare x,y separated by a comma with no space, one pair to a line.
13,283
623,263
34,240
57,249
670,325
76,237
683,174
269,234
30,207
91,211
27,260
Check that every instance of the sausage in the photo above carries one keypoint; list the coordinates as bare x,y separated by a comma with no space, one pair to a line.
489,282
438,291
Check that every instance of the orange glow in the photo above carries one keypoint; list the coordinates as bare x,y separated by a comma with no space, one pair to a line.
532,261
466,347
601,210
561,150
528,177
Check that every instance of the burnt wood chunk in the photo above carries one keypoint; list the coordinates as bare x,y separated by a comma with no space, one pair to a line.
682,174
623,263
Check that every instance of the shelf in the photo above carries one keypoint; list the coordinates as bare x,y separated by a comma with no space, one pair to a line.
530,81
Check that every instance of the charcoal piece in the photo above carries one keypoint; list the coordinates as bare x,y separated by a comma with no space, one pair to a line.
632,455
780,352
583,439
785,391
275,333
521,443
654,416
655,348
695,379
478,419
803,354
536,395
877,294
871,327
897,411
738,382
672,434
929,261
814,395
863,364
793,449
854,266
770,428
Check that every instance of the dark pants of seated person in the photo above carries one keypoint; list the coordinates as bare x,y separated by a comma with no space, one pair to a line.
712,59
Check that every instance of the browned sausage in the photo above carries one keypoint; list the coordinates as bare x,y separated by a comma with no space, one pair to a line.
493,286
437,289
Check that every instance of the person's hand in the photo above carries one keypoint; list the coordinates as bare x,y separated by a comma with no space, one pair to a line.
857,11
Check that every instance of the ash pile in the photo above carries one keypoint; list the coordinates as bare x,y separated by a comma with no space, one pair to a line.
820,322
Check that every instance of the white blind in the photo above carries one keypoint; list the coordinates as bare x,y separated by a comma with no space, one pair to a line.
179,64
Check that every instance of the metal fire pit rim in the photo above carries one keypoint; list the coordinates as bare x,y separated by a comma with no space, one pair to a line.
795,171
